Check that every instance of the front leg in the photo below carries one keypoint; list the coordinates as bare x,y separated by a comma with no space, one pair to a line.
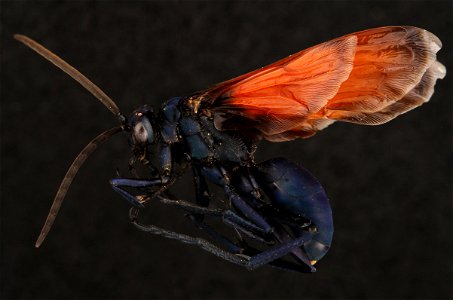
166,165
119,185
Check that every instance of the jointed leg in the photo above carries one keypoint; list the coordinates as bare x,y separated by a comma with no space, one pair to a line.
248,188
201,188
118,185
216,236
203,198
228,216
249,262
287,245
220,177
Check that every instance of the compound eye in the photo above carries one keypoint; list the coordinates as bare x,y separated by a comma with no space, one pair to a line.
143,132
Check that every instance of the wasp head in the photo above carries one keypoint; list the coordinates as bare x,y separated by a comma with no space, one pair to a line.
142,126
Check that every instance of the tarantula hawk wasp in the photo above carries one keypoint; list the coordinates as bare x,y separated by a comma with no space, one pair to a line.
367,77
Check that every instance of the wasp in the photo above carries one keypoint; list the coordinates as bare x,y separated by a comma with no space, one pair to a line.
368,77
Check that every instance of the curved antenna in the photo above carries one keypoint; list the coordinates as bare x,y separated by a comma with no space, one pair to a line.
71,71
70,174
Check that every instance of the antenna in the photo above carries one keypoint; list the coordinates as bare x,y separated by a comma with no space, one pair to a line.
71,71
89,149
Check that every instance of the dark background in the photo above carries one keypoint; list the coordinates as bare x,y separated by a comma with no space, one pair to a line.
390,186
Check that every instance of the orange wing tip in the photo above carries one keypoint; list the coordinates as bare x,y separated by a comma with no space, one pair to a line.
398,90
420,94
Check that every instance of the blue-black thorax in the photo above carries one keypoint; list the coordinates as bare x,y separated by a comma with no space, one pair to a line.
180,123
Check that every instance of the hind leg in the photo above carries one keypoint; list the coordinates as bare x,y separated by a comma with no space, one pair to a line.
256,260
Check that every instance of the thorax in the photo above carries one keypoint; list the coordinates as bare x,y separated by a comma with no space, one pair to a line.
181,123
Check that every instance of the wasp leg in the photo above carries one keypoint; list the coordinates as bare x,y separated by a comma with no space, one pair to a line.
245,249
166,164
249,262
228,217
202,195
205,245
219,176
247,186
282,264
118,185
248,228
216,236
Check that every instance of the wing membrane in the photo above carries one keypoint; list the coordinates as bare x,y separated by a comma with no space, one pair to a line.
368,77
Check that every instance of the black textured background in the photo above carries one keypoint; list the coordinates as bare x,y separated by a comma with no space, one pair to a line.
390,186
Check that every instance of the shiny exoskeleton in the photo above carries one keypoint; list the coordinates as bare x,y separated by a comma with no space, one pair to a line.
367,77
275,202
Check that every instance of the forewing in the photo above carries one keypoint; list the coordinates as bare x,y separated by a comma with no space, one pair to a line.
280,96
368,77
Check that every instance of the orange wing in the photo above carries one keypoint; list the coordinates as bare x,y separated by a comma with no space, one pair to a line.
368,77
